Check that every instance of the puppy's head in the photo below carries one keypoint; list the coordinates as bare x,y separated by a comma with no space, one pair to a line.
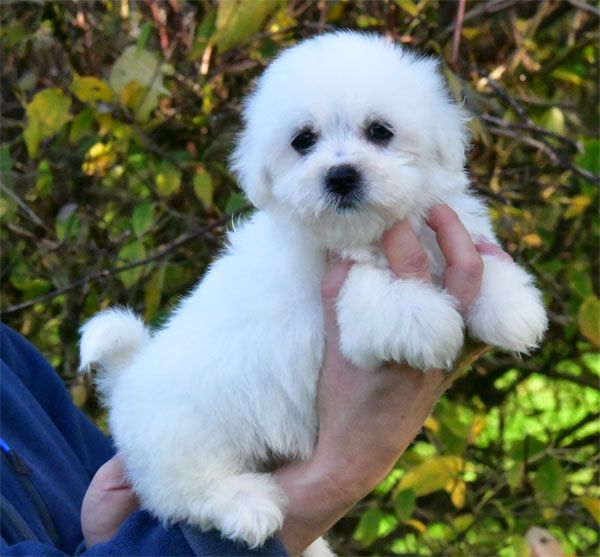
347,133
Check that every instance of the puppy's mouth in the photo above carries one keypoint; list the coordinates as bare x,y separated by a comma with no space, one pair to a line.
344,190
343,203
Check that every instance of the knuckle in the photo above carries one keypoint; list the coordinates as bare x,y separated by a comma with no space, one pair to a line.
473,266
416,262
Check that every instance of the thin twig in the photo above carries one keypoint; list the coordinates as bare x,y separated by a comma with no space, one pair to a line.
28,210
554,155
460,14
530,127
585,7
105,273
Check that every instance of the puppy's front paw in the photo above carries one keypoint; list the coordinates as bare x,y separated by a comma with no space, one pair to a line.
509,312
382,318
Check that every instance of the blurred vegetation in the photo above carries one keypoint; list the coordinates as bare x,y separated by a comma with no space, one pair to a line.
117,118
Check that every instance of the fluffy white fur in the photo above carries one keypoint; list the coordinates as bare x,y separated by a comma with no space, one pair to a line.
231,379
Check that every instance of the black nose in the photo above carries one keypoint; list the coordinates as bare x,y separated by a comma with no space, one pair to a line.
342,179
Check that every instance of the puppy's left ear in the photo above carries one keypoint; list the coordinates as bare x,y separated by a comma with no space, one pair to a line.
451,135
247,163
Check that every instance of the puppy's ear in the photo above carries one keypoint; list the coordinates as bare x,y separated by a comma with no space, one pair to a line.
451,135
247,163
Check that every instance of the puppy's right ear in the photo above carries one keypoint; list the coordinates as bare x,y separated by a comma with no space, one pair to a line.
247,163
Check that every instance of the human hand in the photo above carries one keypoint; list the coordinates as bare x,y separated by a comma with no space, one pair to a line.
108,501
367,418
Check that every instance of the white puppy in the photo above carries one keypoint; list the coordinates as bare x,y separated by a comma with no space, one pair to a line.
344,135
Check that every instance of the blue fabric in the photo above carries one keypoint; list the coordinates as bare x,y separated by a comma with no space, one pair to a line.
50,452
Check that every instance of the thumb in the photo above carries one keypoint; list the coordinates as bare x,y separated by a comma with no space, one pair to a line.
335,275
107,503
404,253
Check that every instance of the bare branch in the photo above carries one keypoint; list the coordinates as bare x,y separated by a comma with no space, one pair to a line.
105,273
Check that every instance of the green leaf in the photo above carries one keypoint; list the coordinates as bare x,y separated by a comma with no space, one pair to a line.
91,89
6,164
404,504
81,125
144,35
67,223
203,34
45,179
143,218
47,113
590,158
134,251
463,521
588,319
139,69
235,203
153,293
238,20
554,120
550,481
167,179
203,187
367,530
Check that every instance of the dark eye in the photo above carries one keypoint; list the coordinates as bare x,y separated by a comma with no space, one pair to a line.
304,141
378,133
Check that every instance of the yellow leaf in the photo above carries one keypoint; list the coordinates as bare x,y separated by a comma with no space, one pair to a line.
417,525
238,20
99,158
470,33
89,88
578,204
138,65
168,179
532,240
463,521
567,76
588,318
457,490
432,424
477,426
409,6
432,475
47,113
593,506
131,94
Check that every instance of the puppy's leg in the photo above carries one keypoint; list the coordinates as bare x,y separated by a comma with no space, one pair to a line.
509,312
383,318
244,508
318,548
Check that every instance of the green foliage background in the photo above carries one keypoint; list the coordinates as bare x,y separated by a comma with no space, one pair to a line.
117,118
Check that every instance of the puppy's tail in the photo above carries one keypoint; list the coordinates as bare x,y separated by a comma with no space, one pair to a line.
109,341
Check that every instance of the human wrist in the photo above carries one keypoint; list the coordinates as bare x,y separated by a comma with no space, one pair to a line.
316,500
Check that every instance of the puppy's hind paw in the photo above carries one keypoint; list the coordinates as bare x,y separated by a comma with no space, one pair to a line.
245,508
509,312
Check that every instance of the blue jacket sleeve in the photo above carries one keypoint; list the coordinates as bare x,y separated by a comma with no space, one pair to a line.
87,442
49,453
142,535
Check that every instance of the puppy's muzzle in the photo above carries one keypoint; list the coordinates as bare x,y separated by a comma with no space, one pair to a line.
343,184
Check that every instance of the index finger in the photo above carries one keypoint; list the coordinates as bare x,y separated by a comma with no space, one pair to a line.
464,264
